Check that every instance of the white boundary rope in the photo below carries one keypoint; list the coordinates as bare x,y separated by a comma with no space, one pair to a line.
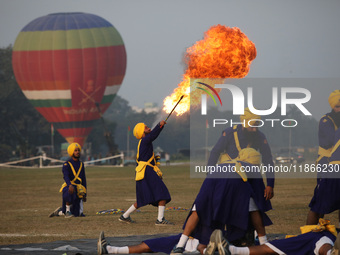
13,164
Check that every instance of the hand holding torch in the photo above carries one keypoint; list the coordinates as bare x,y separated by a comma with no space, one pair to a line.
173,109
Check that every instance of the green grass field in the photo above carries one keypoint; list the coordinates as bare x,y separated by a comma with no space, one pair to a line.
29,195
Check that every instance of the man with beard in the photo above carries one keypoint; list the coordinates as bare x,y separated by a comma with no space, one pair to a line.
241,136
74,188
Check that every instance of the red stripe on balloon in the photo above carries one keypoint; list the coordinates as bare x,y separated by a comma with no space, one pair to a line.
62,68
75,135
71,114
76,132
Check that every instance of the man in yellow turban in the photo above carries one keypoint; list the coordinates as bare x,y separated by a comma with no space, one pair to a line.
227,198
74,188
245,135
241,136
150,188
328,125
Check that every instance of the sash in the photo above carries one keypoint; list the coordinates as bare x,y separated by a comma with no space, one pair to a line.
323,225
323,152
140,169
76,177
238,165
225,157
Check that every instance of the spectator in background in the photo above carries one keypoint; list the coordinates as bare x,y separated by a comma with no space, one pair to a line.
167,159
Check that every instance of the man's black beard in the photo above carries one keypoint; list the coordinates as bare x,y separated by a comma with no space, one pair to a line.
336,117
252,138
77,157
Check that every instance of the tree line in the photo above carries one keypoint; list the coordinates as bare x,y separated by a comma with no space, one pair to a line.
23,129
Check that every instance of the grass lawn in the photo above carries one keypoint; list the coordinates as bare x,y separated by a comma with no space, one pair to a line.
30,195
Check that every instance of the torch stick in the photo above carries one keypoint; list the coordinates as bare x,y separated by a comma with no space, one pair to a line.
174,108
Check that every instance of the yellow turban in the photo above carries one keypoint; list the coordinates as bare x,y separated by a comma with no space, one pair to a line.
334,98
138,130
72,147
250,155
248,115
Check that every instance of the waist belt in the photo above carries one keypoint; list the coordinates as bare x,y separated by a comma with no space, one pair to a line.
140,169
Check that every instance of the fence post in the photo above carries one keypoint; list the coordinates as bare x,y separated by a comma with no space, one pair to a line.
122,159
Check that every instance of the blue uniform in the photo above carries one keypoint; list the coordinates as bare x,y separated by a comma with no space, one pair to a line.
69,176
326,198
151,189
163,244
223,200
227,144
300,245
326,135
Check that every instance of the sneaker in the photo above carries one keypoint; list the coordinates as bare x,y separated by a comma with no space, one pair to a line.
177,250
222,245
55,213
164,222
102,244
214,239
127,220
82,215
68,214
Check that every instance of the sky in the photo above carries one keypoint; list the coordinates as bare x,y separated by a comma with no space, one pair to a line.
294,39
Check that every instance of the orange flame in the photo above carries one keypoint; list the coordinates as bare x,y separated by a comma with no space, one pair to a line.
223,53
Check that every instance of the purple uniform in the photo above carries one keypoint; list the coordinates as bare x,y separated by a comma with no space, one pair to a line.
227,144
224,200
151,189
304,244
68,177
326,198
163,244
326,135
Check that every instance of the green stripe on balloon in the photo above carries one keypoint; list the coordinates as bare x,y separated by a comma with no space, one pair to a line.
69,39
107,99
52,103
75,124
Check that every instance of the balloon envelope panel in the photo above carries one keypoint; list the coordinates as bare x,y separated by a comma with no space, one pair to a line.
70,66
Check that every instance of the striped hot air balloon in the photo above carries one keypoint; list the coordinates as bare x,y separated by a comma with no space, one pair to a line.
70,67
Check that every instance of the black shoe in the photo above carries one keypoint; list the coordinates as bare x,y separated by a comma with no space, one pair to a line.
127,220
177,250
102,244
55,213
163,222
212,246
223,246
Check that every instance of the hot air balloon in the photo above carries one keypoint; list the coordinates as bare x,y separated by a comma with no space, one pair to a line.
70,67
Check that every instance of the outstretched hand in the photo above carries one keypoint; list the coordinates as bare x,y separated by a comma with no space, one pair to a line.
162,123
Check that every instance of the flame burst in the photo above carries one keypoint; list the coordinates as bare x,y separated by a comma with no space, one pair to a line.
223,53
